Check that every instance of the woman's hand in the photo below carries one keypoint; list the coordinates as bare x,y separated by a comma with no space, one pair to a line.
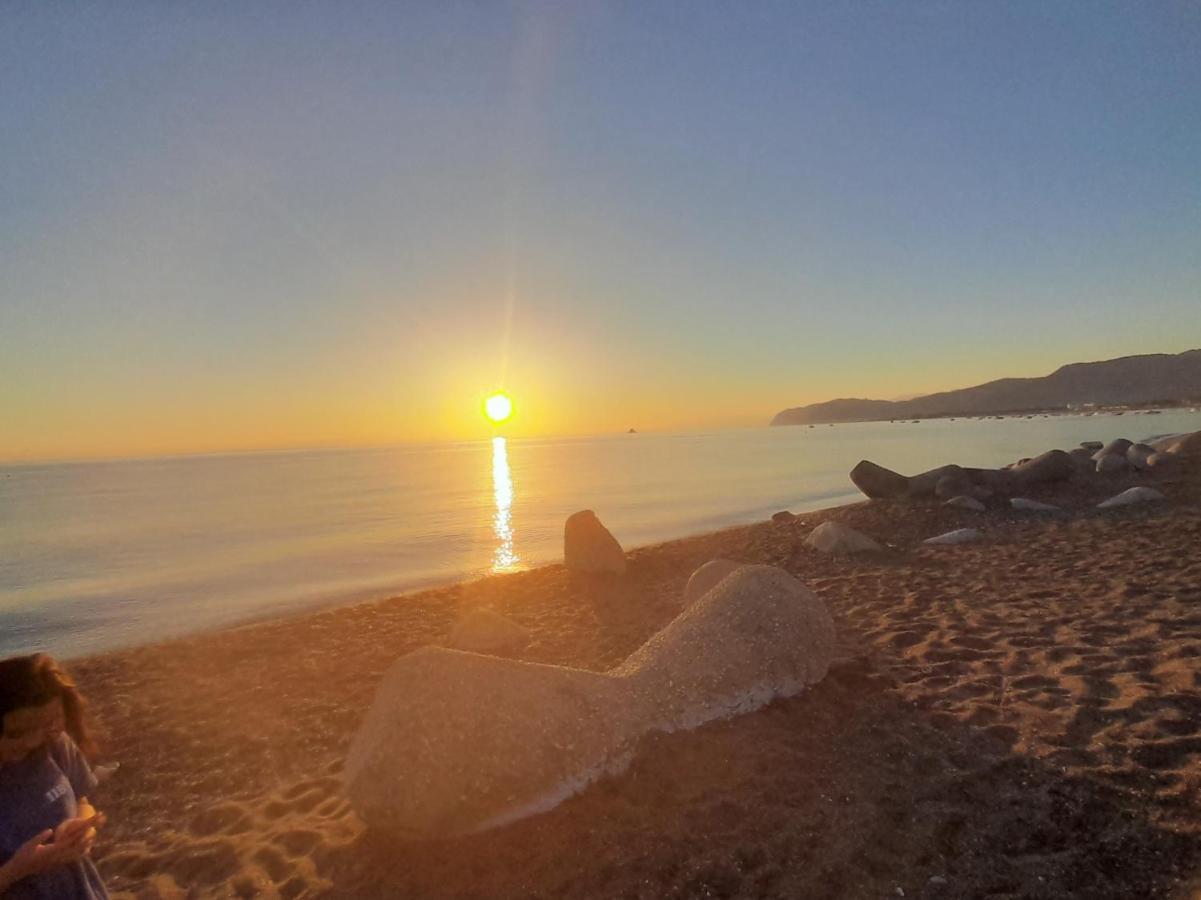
43,852
80,831
87,821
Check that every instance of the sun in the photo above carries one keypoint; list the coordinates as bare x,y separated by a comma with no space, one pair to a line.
498,407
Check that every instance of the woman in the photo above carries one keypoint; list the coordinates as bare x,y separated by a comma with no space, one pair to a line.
47,825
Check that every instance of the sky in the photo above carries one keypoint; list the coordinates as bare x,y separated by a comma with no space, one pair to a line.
231,226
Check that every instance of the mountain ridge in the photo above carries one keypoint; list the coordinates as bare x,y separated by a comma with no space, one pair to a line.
1145,378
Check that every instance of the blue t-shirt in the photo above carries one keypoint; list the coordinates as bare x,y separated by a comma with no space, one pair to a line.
40,792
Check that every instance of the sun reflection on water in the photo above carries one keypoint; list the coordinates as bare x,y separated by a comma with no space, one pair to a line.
504,559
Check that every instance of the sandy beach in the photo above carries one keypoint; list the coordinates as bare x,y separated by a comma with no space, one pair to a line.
1012,718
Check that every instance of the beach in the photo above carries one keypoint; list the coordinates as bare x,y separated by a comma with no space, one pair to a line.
1016,717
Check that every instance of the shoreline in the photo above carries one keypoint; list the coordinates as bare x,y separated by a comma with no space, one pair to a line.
996,699
809,518
303,608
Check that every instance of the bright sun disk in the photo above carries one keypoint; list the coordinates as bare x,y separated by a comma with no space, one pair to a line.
498,407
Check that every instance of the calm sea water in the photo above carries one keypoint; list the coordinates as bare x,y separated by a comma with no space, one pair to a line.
95,556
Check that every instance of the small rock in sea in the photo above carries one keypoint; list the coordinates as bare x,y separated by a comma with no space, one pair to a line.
1117,445
1032,505
783,517
1131,496
958,536
834,537
964,502
485,631
1092,446
707,577
1138,454
1111,463
589,547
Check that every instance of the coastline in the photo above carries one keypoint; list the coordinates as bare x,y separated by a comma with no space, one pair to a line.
987,702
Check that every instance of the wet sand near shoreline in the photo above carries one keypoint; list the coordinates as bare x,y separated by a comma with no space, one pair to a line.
1013,718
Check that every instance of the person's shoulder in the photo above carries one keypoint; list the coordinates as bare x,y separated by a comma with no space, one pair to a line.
63,750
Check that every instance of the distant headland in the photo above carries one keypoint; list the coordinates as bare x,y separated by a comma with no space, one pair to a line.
1155,379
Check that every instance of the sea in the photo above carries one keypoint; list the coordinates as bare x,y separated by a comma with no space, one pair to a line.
96,556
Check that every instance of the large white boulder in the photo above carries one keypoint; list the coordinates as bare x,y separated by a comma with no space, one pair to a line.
834,537
1131,496
458,742
485,631
589,547
958,536
707,577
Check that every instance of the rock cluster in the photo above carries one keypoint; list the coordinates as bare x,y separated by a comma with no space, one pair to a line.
959,485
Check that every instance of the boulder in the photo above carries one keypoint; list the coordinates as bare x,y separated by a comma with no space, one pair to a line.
1054,465
1131,496
1117,445
1091,446
834,537
708,577
978,483
990,481
1163,443
965,502
925,484
455,743
1112,463
878,482
1082,458
1028,505
485,631
589,547
1137,455
1188,444
783,517
953,485
1185,444
1162,462
958,536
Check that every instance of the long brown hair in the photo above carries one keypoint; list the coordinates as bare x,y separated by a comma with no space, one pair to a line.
37,680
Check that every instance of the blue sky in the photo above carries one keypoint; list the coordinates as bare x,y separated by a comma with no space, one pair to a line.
231,225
